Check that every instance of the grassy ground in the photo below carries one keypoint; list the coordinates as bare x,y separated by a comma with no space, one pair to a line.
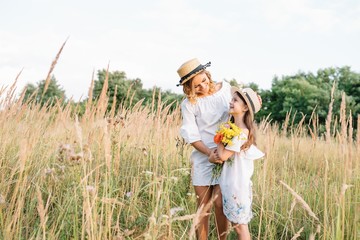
127,176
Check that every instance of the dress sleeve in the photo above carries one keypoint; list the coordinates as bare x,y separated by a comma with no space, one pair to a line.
253,153
189,129
237,142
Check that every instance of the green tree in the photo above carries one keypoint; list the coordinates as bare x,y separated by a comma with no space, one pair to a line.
303,92
36,92
126,92
130,91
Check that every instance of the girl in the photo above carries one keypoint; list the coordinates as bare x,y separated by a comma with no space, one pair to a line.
205,106
235,179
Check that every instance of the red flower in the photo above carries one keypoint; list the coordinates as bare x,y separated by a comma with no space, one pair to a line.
218,137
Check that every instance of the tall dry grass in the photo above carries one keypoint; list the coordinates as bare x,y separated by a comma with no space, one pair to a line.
126,174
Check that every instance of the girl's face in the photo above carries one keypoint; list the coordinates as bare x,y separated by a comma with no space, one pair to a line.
201,84
237,105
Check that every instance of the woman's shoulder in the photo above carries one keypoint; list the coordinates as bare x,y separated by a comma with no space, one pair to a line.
186,104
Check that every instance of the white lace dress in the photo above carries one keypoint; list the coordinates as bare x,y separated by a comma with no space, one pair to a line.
200,122
235,181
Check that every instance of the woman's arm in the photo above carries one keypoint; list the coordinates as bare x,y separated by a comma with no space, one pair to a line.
223,153
201,147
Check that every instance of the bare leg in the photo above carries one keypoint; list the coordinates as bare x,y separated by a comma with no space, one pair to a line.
242,231
221,221
203,194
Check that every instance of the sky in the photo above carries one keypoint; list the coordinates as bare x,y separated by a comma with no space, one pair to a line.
246,40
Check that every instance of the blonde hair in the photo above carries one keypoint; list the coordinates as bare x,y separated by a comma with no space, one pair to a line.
189,90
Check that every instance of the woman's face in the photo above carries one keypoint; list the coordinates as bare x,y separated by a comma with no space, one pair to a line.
237,105
201,84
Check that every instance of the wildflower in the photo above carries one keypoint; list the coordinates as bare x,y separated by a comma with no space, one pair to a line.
147,172
62,168
77,156
184,171
144,151
152,219
190,194
175,179
174,210
128,194
49,171
2,199
90,189
226,132
128,232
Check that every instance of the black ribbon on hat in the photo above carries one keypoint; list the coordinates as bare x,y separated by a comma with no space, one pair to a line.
198,69
250,101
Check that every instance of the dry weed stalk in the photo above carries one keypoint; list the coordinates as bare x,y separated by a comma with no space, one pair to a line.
113,105
18,194
329,115
299,129
301,201
19,102
286,123
351,129
103,100
325,196
107,145
343,121
297,234
293,204
11,91
350,146
200,213
265,124
53,64
42,210
358,132
269,151
336,121
89,113
314,119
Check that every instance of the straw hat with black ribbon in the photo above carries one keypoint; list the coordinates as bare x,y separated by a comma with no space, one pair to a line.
190,69
252,99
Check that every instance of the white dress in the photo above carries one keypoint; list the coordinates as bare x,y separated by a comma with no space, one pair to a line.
235,181
200,122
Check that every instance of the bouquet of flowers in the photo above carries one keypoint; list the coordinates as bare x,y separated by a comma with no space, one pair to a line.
226,132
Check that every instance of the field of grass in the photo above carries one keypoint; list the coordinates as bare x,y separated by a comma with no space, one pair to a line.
127,176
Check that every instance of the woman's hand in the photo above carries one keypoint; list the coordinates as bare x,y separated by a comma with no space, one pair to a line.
214,157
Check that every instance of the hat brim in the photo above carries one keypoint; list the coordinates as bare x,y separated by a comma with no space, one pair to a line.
245,97
193,73
183,81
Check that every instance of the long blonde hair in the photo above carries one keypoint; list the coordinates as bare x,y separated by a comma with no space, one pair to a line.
189,90
249,123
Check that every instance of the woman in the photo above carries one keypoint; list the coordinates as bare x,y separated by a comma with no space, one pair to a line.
205,107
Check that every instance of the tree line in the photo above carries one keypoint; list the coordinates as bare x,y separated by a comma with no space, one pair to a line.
302,93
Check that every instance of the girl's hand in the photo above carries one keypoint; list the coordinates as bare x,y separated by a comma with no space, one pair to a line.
214,157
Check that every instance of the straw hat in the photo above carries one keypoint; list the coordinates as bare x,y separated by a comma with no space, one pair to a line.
189,69
252,99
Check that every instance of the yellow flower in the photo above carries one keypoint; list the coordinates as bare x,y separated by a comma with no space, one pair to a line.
226,132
